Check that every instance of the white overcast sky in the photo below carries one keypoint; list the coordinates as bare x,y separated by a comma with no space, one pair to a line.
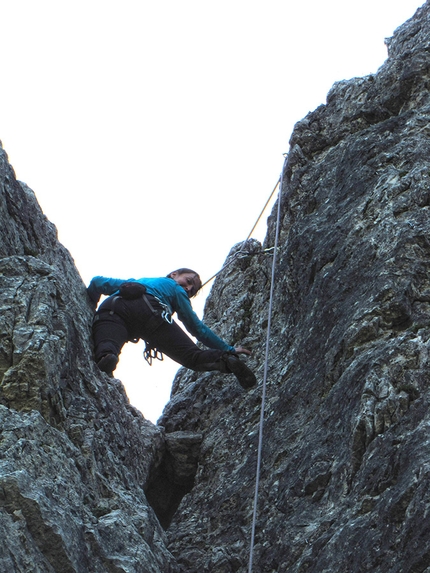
152,132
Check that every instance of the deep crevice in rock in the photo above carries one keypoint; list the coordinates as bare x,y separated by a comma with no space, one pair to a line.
174,476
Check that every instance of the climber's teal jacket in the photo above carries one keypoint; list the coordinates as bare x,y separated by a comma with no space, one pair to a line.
171,294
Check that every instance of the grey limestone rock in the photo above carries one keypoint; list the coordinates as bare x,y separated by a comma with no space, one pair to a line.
344,475
88,485
75,456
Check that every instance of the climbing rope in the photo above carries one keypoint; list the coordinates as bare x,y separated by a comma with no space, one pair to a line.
235,256
266,361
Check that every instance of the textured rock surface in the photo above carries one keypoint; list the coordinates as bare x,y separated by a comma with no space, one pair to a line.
345,468
345,463
74,455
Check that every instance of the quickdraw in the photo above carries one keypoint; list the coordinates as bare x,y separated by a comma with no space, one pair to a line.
150,353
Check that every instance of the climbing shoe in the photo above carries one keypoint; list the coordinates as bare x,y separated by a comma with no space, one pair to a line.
244,375
108,363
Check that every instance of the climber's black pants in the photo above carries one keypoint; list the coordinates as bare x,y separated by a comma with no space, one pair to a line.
118,321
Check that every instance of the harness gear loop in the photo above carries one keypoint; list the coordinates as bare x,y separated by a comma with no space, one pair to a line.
165,313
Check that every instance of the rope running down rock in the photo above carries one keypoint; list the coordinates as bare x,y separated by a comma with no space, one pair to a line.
234,257
266,361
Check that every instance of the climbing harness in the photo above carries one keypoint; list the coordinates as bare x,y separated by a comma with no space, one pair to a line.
166,313
162,311
266,361
151,353
114,299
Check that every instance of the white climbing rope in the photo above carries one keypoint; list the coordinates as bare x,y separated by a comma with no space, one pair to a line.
266,361
234,257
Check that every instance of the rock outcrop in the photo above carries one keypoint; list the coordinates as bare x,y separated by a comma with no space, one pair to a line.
74,454
88,485
345,462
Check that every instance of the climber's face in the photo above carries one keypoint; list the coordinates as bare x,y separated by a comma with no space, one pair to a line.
188,281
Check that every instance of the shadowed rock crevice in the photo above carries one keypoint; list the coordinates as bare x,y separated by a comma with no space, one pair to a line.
174,477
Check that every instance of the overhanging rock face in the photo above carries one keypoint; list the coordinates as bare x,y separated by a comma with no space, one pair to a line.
345,460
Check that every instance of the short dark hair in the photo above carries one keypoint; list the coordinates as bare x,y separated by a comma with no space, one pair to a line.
197,283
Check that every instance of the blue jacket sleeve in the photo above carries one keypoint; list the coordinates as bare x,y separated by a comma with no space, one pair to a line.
195,326
103,285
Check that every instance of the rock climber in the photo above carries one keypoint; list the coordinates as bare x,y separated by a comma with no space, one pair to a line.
143,309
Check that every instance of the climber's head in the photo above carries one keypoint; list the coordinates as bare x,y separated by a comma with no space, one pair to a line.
188,279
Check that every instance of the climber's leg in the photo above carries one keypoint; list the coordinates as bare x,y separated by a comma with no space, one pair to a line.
109,334
172,341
